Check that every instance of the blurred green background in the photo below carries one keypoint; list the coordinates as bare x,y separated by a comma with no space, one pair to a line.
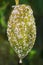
7,54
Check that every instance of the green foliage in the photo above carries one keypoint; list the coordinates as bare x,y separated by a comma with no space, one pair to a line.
32,53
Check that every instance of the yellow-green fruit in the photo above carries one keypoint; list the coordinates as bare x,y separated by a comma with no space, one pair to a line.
21,30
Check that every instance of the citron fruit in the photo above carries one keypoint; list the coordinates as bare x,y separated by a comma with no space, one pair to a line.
21,30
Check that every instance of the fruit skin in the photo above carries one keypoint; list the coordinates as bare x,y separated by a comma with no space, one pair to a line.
21,30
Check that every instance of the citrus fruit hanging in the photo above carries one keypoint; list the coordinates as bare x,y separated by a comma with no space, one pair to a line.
21,30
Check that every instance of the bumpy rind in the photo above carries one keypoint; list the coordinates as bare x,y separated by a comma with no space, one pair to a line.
21,30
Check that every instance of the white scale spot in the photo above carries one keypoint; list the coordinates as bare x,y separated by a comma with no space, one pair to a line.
15,40
20,47
18,24
22,23
29,23
9,25
24,42
15,12
26,17
21,16
8,30
15,16
21,9
9,38
30,12
25,28
15,49
16,29
19,36
28,7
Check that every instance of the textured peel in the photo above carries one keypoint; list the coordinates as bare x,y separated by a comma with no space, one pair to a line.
21,30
